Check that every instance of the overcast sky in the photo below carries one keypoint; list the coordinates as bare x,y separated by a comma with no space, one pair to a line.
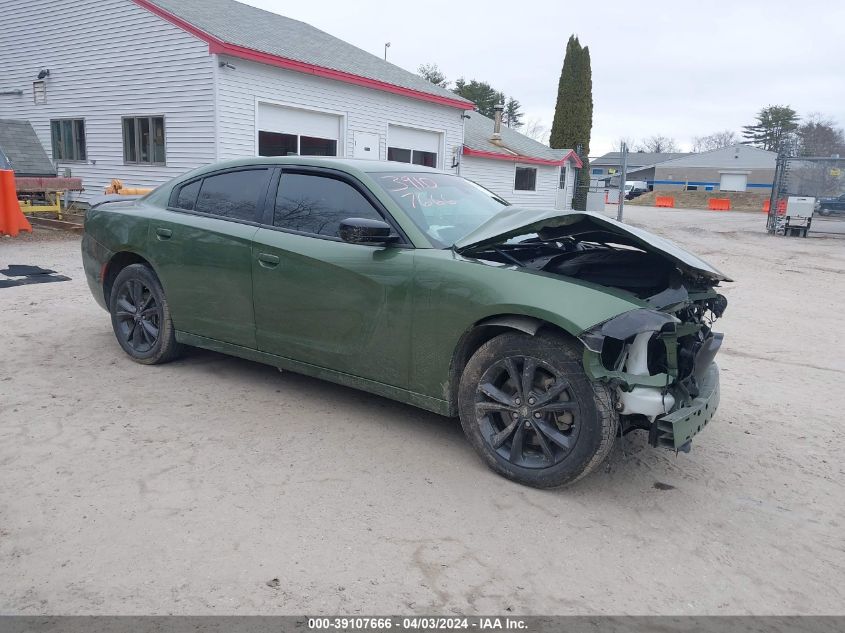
678,68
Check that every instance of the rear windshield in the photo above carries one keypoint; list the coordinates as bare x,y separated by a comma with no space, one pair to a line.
443,206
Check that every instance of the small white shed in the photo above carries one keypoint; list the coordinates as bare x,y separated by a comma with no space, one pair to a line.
516,167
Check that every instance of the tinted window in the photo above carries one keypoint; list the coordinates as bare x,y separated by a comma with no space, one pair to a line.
310,146
399,155
526,179
234,194
274,144
316,204
187,196
427,159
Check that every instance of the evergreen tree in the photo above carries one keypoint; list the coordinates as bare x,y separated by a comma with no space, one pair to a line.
482,94
573,119
512,115
774,130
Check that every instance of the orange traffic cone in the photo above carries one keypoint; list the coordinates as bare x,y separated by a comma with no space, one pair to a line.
12,219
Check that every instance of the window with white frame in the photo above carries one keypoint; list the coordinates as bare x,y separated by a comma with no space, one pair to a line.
279,144
525,179
413,156
67,137
39,91
413,145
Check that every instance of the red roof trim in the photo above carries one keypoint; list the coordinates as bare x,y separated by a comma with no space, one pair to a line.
218,46
468,151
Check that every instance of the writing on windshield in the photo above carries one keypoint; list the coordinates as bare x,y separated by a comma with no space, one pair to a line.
445,207
417,191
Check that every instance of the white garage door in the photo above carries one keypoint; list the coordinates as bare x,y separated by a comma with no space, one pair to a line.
283,131
412,145
733,182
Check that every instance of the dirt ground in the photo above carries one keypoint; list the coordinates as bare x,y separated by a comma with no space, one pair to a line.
218,486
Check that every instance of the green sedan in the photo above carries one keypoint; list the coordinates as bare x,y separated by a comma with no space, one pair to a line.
549,333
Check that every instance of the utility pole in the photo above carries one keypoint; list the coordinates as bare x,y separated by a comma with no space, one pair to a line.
623,160
386,46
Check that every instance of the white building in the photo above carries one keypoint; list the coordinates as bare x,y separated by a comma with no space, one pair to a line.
144,91
516,167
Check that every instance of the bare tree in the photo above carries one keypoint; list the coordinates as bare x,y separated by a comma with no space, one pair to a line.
820,136
536,129
657,144
627,140
717,140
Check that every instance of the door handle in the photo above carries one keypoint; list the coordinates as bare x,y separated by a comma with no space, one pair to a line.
163,234
267,260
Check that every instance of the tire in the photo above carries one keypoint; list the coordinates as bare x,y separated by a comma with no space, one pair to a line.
575,430
824,211
140,316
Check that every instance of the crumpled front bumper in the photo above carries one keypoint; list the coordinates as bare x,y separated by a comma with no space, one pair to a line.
676,429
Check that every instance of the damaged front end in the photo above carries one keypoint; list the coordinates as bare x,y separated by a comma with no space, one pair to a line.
662,367
660,357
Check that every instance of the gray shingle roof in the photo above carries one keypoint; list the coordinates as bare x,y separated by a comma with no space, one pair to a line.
259,30
21,147
478,132
636,159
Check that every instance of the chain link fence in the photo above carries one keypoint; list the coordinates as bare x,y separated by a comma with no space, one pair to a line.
820,178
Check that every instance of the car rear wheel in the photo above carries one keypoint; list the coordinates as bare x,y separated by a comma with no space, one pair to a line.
532,414
140,316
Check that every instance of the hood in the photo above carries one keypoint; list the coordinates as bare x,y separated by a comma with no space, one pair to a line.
553,224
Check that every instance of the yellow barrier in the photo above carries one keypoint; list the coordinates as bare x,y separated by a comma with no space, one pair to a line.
49,207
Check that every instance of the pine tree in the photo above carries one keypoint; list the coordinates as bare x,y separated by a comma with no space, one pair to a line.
512,115
774,130
482,94
573,119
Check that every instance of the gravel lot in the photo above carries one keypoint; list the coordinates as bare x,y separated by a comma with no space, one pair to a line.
219,486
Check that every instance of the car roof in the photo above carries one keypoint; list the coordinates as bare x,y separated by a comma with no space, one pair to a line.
345,164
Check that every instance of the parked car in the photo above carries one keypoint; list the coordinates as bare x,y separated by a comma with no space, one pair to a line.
635,188
548,333
831,206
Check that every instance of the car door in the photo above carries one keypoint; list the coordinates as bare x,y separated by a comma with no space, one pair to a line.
321,300
202,247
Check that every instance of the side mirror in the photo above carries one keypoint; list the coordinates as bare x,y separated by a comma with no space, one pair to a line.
365,231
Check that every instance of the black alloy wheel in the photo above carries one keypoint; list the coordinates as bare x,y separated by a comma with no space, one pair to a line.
531,412
138,316
526,412
141,317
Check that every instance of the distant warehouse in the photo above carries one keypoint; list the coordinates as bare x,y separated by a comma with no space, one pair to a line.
734,168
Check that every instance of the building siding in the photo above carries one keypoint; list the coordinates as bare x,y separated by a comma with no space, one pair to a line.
498,177
679,177
109,59
361,109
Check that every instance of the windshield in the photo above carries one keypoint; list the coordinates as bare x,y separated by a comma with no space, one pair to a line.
443,206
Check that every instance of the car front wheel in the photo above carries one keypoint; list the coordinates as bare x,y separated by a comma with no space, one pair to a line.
532,414
140,316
